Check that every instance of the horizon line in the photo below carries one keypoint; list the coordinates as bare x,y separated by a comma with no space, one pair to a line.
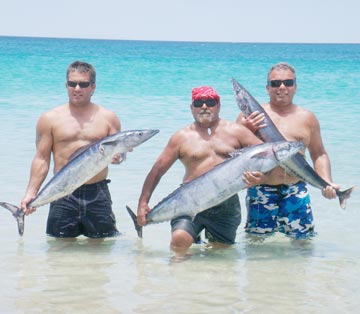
181,41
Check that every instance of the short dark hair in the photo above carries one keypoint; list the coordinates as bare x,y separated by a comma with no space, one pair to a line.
82,67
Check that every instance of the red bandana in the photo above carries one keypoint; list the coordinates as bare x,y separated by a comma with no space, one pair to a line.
205,92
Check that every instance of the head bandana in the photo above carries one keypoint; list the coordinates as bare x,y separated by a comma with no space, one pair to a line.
205,92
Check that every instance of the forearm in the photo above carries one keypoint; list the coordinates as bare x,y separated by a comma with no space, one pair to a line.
322,167
149,186
38,173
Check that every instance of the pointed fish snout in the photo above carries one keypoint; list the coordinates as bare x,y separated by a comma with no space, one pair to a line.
147,134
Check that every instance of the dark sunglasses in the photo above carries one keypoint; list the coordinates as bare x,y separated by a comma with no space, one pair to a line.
277,83
198,103
81,84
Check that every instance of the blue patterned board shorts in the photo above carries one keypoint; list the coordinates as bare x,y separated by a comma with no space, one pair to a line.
220,222
283,208
87,211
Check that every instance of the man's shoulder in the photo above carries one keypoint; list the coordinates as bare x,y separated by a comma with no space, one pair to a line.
55,112
185,130
106,111
227,124
305,113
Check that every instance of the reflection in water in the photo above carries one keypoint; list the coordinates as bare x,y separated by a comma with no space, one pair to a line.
277,273
129,275
205,281
69,277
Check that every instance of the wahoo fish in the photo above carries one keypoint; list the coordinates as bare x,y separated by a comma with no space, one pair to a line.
219,183
296,165
84,164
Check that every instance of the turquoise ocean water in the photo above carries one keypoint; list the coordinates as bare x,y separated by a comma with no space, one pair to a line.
148,84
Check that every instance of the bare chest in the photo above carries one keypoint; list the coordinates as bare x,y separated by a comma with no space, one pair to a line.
209,147
292,127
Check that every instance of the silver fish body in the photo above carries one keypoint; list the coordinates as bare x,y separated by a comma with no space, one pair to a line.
88,163
296,165
85,164
219,183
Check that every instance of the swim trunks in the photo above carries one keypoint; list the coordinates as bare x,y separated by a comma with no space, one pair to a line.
220,222
283,208
87,211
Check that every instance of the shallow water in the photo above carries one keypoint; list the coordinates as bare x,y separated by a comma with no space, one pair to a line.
128,275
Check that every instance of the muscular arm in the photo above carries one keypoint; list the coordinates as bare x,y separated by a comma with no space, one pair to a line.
166,159
41,162
318,154
320,158
114,123
115,127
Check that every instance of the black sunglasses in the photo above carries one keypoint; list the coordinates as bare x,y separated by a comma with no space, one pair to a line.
81,84
198,103
277,83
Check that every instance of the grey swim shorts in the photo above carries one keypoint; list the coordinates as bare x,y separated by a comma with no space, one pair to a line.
220,222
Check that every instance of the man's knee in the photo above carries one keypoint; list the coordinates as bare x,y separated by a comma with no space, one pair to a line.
181,239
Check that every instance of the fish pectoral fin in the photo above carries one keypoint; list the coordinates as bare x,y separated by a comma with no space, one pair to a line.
18,214
261,155
138,228
109,143
122,157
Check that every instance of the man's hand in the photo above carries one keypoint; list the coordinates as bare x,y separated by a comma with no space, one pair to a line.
23,205
330,191
252,178
142,211
254,121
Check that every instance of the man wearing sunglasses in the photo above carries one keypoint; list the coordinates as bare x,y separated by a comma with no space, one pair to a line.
200,146
283,202
60,132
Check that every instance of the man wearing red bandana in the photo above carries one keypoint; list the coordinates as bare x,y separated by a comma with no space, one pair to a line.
200,146
204,92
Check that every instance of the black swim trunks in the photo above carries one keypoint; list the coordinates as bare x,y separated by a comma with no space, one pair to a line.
220,222
87,211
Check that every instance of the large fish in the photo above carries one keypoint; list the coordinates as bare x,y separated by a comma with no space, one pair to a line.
219,183
82,166
296,165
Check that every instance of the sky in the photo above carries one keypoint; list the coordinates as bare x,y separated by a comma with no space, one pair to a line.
288,21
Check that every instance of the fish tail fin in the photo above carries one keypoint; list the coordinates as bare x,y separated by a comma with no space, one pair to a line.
20,219
138,228
343,196
18,214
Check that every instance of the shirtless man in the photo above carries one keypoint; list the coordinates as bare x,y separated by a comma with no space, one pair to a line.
200,146
283,202
60,132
